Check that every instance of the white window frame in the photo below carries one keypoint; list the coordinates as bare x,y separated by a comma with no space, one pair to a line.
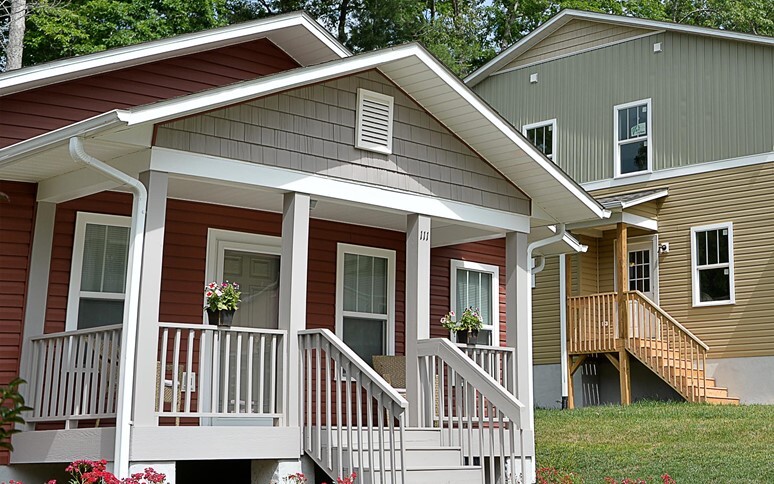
388,254
540,124
477,267
618,142
697,302
363,94
76,264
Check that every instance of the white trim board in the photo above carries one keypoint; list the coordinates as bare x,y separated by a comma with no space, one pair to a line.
619,143
695,299
456,264
113,59
668,173
540,124
222,170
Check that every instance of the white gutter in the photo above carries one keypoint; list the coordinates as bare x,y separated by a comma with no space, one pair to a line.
131,302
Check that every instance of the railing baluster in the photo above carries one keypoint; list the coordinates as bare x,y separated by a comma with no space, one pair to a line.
328,405
339,423
359,399
348,386
202,352
226,372
370,431
176,372
318,400
501,429
273,380
262,375
189,356
380,423
238,376
250,351
490,417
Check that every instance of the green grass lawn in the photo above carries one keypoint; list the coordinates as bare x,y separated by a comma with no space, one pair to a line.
692,443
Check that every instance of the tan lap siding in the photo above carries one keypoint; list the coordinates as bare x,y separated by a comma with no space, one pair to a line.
742,196
16,231
545,314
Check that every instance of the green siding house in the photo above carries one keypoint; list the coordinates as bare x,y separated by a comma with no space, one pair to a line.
671,127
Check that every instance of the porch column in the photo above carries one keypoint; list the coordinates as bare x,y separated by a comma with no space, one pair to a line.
37,289
622,277
143,406
518,335
292,299
417,306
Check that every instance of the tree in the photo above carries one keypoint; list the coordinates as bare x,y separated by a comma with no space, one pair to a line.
12,32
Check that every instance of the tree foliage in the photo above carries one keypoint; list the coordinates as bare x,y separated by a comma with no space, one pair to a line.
11,407
462,33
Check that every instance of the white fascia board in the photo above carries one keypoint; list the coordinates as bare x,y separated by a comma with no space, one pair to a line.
627,218
695,169
87,127
513,134
649,198
72,68
217,169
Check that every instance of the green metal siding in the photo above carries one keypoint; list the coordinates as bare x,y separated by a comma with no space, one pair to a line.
712,100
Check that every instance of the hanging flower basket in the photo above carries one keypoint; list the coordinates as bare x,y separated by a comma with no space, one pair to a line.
221,302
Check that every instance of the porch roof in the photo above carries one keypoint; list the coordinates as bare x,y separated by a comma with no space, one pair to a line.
555,196
626,200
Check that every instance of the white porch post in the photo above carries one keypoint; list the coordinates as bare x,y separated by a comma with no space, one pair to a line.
518,308
143,406
417,306
37,289
292,299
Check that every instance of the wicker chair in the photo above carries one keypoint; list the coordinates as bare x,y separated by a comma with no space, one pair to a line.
393,370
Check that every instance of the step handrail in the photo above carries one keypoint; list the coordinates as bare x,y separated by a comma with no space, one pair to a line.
661,311
361,365
368,411
465,402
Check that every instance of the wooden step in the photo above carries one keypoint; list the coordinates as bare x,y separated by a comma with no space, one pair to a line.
723,400
712,391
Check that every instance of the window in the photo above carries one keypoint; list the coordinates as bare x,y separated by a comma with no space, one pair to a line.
365,299
542,136
712,257
98,271
373,130
477,285
633,153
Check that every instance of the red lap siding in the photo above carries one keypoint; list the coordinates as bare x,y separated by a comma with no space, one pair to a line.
34,112
185,247
16,227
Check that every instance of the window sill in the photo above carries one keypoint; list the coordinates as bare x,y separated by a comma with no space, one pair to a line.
714,303
633,174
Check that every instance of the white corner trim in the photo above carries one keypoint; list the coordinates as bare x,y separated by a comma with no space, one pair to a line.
341,249
696,300
223,170
694,169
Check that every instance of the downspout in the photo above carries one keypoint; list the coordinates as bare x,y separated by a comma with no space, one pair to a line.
131,301
563,330
558,236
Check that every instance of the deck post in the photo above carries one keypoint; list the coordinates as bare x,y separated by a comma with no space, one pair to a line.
292,300
37,291
417,307
622,278
144,411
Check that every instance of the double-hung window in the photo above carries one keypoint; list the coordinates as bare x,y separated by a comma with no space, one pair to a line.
543,136
633,153
712,261
477,286
98,271
365,299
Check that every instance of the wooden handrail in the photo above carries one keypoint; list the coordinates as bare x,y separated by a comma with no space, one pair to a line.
658,308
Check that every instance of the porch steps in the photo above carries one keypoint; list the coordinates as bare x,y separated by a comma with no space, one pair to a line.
427,461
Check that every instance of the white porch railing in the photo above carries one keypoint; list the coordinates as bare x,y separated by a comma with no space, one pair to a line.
499,362
210,371
75,375
369,413
472,409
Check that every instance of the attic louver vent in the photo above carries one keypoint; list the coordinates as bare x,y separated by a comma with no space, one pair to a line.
374,121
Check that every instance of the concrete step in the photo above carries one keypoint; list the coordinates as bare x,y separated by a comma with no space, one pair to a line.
427,475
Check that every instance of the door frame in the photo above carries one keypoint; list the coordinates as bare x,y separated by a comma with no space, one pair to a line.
219,240
642,241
